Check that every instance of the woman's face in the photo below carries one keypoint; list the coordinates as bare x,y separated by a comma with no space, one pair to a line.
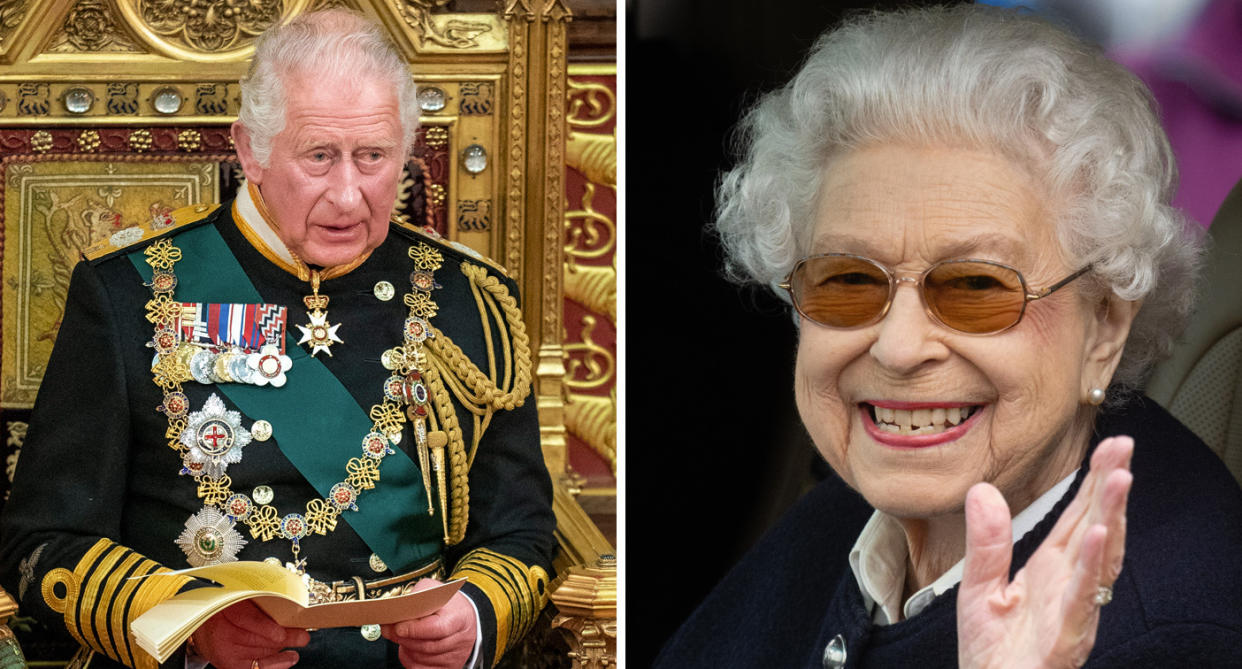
1017,394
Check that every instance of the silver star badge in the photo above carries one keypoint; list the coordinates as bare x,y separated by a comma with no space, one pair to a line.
209,538
214,437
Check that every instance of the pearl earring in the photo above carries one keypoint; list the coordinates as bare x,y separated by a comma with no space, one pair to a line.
1096,396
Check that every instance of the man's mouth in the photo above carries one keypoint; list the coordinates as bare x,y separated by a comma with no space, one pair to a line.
339,226
926,420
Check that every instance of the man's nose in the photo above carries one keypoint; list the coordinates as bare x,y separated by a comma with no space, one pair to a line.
345,191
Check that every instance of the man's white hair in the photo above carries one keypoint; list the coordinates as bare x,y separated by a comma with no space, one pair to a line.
327,45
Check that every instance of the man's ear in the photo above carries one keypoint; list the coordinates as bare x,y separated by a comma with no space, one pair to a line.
245,154
1108,334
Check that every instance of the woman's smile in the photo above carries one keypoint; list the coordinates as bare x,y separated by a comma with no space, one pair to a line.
917,424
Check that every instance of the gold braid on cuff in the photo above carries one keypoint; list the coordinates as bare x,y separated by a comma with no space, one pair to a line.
98,599
516,591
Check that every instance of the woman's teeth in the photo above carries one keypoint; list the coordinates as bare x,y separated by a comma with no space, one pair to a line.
919,421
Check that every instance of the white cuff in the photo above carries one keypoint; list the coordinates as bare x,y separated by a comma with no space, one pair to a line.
478,635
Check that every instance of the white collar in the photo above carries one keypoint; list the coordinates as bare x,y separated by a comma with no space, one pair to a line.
878,559
248,211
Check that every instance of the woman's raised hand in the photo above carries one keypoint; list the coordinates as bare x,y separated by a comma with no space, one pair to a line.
1048,615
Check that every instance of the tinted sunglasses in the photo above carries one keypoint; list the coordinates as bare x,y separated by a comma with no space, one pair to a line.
978,297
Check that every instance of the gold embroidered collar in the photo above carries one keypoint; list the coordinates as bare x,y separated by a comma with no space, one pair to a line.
259,228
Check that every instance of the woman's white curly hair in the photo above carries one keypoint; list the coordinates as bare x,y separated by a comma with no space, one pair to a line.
979,77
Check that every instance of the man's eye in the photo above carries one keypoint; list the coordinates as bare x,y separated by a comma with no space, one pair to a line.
319,156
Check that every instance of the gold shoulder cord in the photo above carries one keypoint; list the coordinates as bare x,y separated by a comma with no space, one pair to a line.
481,393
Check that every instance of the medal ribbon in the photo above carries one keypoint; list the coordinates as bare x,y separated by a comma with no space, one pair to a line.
247,326
316,442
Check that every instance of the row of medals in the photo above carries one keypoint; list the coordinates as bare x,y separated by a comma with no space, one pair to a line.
208,364
234,365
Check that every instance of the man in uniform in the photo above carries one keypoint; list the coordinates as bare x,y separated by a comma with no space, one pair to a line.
290,377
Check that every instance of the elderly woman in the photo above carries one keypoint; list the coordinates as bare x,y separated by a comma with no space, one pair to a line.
968,209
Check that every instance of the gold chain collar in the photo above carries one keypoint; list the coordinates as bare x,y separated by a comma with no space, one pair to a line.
409,361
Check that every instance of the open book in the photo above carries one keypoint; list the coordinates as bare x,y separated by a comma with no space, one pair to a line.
280,593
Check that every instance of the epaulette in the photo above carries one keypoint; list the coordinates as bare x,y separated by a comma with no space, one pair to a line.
427,233
158,226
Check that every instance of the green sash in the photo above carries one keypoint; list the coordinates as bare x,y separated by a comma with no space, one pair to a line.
318,443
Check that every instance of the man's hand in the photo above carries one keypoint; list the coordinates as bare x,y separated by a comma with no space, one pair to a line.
1047,616
242,634
443,640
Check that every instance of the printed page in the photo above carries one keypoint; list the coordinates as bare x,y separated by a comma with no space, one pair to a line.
356,614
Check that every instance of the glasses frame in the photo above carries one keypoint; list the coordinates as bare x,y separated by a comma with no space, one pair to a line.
1028,294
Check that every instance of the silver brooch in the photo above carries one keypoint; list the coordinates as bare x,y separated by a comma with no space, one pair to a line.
209,538
214,438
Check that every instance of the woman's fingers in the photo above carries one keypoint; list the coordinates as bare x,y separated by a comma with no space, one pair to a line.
1050,611
1079,598
1104,503
1086,508
989,542
1111,455
1095,545
984,609
1116,494
1080,610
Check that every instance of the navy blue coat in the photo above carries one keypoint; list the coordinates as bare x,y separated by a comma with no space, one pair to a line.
1178,602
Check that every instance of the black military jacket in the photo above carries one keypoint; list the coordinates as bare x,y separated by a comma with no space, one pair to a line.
98,495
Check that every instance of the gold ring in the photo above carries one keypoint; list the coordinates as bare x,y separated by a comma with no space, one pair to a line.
1103,595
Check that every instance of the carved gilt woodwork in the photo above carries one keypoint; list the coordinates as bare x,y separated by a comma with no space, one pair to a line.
154,79
589,273
11,14
586,598
91,25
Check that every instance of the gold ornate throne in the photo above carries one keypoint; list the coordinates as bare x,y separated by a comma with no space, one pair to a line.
115,112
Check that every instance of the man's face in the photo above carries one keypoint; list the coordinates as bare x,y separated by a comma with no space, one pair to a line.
332,178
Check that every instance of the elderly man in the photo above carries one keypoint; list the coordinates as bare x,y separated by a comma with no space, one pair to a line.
291,377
